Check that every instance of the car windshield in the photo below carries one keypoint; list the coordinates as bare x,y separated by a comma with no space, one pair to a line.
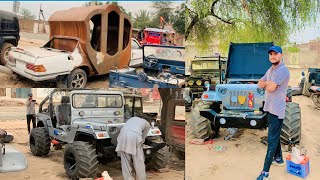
204,65
62,44
97,101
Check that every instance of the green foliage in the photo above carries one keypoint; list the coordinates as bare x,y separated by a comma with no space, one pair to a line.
93,3
27,14
99,3
164,9
292,49
142,19
247,20
179,20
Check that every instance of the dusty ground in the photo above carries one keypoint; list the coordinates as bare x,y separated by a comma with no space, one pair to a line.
243,158
51,167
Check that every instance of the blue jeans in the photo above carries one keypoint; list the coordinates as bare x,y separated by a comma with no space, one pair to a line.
274,144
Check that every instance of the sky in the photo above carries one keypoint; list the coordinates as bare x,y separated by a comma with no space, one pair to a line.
51,6
309,33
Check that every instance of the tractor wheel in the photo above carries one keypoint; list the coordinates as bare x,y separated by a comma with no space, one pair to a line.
4,54
40,142
80,160
201,126
158,159
291,128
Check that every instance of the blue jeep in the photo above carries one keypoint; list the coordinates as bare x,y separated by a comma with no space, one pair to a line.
238,103
162,67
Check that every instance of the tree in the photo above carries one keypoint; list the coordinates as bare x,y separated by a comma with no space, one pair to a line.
27,14
93,3
247,20
98,3
142,19
163,9
179,20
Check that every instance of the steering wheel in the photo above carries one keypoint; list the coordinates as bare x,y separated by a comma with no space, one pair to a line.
150,61
142,76
164,76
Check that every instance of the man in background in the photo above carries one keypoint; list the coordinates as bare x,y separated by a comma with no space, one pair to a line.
31,112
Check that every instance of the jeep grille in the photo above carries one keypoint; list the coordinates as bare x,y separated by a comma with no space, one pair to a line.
240,100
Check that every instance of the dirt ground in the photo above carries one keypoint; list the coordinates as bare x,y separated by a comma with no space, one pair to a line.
51,167
243,157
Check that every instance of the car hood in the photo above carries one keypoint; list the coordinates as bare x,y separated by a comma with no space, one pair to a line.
248,60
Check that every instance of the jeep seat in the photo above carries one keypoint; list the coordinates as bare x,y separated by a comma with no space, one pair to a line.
63,111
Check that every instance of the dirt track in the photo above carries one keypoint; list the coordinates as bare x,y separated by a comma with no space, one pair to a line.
243,158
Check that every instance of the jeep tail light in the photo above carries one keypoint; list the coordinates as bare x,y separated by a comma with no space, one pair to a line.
155,132
205,96
36,68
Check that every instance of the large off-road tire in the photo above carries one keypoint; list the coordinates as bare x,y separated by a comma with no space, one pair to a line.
180,154
77,79
40,142
200,126
306,86
159,159
80,160
4,54
289,93
291,128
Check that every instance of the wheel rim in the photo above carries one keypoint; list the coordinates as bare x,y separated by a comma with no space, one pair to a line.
77,81
71,162
6,54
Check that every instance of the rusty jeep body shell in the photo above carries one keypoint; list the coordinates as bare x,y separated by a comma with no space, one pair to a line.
75,22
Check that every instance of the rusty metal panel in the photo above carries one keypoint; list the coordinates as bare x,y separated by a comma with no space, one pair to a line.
75,22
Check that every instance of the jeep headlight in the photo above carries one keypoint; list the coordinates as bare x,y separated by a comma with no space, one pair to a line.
206,82
260,91
190,82
199,82
213,81
223,90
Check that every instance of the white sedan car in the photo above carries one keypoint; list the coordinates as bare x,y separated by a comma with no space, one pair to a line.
58,59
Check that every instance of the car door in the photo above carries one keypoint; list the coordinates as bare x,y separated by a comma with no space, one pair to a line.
136,53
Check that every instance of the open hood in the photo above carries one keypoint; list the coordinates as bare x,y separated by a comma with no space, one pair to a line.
248,60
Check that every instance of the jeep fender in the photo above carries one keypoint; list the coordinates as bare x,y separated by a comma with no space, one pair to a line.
9,39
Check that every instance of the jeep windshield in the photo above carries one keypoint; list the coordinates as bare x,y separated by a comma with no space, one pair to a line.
61,44
204,65
97,101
